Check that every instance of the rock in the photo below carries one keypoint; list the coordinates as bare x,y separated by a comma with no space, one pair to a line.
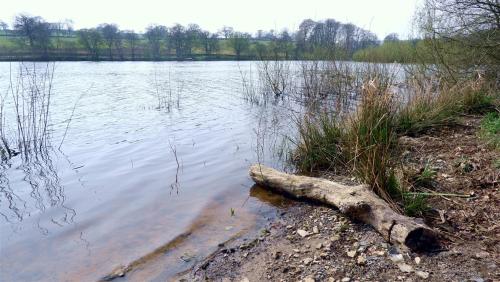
319,246
335,238
396,258
482,254
361,260
405,267
351,254
422,274
346,279
308,261
276,255
379,253
117,272
309,279
417,260
315,230
289,227
302,233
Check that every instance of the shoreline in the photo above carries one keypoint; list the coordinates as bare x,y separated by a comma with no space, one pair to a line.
341,250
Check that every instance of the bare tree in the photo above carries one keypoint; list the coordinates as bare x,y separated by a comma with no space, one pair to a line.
227,31
240,43
110,34
90,39
155,34
36,31
462,34
391,37
132,39
4,26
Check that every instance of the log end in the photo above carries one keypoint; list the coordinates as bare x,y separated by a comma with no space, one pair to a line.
422,239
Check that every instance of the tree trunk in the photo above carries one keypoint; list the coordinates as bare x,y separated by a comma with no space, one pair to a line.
358,202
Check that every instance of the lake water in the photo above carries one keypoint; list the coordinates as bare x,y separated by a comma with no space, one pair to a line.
133,181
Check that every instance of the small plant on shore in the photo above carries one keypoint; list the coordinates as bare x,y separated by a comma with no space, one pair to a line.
426,177
490,129
320,146
371,138
415,204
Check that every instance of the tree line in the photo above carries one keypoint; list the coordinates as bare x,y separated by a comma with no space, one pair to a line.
35,38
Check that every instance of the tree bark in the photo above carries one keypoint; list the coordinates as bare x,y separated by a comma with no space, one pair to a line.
357,202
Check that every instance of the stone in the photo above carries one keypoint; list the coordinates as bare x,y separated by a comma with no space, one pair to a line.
309,279
315,230
482,254
417,260
397,258
319,246
308,261
422,274
405,267
346,279
335,238
351,254
118,272
276,255
302,233
361,260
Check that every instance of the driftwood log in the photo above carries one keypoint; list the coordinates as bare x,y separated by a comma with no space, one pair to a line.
357,202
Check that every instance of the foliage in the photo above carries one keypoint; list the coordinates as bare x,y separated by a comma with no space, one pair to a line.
490,129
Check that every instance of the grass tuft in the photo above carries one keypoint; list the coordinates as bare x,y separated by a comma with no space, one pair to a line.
490,129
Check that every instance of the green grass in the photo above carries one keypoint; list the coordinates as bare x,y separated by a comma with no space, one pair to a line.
320,146
364,144
490,129
426,177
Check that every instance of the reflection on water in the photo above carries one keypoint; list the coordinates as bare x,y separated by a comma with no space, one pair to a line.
148,174
45,192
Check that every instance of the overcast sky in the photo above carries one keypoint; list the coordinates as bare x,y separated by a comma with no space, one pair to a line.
379,16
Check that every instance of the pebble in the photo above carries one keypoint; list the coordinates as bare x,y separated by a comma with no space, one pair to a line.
346,279
405,267
422,274
396,258
482,254
417,260
351,254
302,233
308,261
319,246
315,230
309,279
335,238
361,260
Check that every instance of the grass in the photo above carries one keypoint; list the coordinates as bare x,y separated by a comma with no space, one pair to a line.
365,143
426,177
490,129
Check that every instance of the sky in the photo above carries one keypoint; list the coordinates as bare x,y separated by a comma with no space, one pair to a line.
380,16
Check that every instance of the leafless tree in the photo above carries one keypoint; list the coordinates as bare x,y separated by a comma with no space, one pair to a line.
111,35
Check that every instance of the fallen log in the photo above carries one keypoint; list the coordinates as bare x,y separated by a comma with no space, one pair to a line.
357,202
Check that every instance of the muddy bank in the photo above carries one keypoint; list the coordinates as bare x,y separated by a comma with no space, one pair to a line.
337,249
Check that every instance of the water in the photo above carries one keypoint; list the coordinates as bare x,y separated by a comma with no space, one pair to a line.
133,183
